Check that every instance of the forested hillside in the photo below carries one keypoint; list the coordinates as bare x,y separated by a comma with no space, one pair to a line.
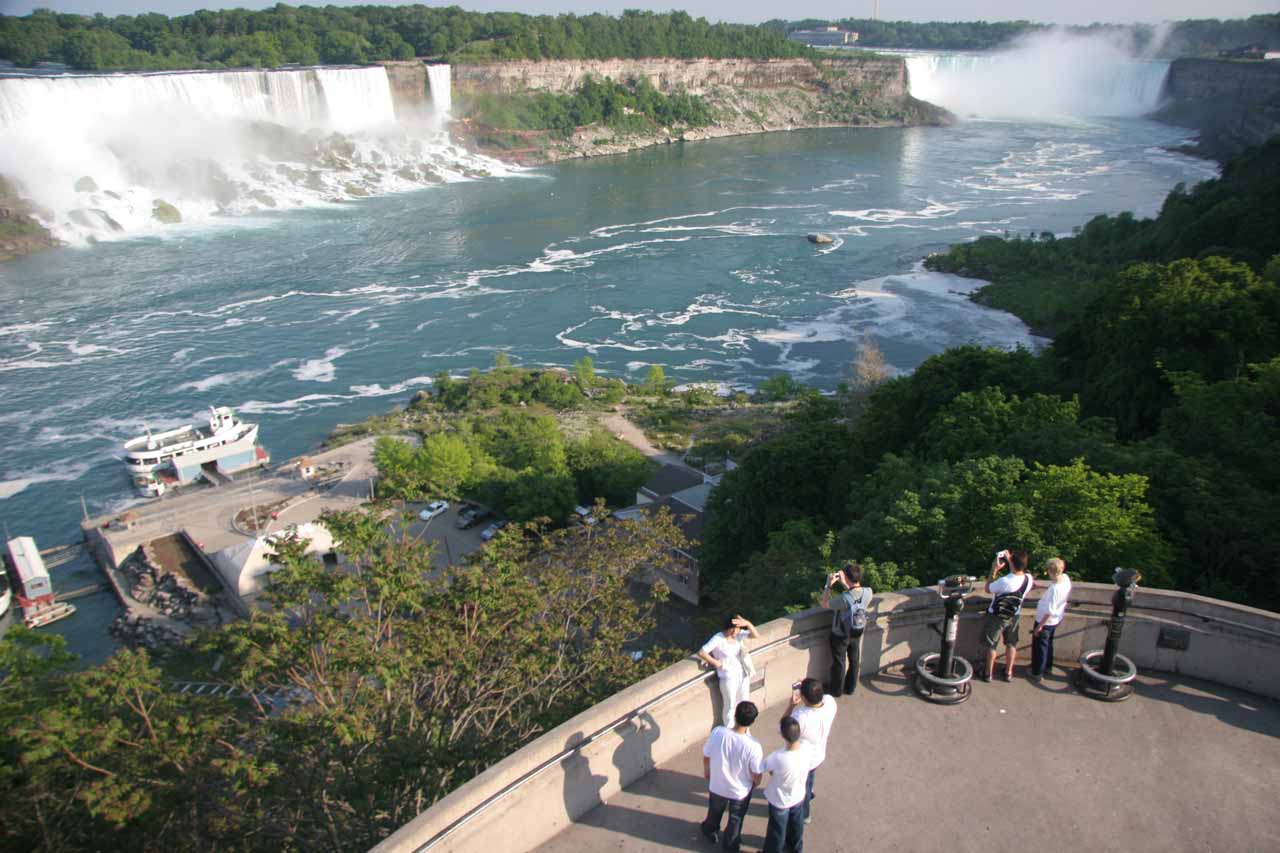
308,35
1185,38
1147,435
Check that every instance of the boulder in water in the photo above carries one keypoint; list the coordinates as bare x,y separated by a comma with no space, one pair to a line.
355,190
262,198
94,219
165,213
86,185
821,239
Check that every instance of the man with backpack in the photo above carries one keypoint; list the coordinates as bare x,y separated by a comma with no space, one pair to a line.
848,623
1007,594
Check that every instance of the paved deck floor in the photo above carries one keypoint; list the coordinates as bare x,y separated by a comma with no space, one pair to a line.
1183,765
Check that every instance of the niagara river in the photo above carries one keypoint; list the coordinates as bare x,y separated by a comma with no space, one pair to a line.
689,256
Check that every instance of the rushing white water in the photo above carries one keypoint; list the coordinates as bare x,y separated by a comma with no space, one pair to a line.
1045,76
440,84
111,156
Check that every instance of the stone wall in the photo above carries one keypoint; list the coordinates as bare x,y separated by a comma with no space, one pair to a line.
560,776
1234,104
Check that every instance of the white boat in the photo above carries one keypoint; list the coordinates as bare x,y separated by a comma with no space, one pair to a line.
6,597
160,461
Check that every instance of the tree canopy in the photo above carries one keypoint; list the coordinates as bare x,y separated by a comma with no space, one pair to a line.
308,35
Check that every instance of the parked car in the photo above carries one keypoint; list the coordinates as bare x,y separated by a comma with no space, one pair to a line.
433,509
472,516
492,530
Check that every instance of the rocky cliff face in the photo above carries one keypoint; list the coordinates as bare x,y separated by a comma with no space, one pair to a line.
1234,104
408,86
20,232
746,96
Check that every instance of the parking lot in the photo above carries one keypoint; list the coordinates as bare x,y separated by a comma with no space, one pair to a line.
450,543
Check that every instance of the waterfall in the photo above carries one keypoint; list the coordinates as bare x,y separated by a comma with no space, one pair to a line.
1048,75
441,88
110,156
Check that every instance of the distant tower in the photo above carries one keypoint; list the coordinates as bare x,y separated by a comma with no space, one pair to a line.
875,10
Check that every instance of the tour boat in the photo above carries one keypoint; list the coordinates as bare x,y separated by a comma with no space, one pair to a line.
160,461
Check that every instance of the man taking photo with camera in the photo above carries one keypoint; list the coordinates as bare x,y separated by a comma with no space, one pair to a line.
1007,593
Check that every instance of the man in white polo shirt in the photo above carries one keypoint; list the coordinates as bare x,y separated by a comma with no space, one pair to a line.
815,711
731,762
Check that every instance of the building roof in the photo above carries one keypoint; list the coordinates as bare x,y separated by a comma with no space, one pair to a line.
695,496
26,559
688,518
670,479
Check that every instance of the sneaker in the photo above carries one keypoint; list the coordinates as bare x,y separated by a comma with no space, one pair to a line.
982,676
1035,677
1006,677
710,836
808,820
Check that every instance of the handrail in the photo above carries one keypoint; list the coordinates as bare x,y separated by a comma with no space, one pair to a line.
904,606
548,763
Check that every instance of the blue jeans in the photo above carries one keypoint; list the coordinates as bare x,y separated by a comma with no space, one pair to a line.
786,829
731,837
808,794
1042,650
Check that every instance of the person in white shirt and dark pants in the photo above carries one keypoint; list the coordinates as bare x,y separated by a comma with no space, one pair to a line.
1049,612
788,770
815,711
732,763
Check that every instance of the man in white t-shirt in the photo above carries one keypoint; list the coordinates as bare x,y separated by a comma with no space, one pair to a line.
732,763
788,770
1049,612
1007,593
815,711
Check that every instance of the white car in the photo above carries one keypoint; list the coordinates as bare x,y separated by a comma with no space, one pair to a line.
433,509
492,530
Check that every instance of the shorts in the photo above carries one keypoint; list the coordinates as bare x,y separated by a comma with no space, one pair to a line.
996,627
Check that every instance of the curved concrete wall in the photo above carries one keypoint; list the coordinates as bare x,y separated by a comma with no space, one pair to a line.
537,791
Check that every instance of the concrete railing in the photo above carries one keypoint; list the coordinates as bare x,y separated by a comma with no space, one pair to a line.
537,791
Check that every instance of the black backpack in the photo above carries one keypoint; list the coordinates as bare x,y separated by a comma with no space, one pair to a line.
1008,604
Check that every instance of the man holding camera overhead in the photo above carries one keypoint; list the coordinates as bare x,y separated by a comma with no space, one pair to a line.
1007,593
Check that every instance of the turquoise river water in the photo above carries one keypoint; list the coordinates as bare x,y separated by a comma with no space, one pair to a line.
690,256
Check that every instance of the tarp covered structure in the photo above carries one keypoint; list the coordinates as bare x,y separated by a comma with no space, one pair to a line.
246,564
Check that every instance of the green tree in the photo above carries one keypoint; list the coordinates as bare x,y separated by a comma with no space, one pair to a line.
655,382
445,461
399,471
605,467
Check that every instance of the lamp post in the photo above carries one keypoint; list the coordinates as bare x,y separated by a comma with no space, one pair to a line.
1106,674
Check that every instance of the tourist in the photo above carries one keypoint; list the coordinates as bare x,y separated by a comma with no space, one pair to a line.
814,711
848,623
731,763
1007,594
788,770
724,651
1049,612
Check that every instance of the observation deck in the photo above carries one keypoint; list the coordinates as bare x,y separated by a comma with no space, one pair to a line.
1191,762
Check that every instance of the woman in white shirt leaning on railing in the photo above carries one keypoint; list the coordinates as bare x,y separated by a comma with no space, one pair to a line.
1049,612
724,651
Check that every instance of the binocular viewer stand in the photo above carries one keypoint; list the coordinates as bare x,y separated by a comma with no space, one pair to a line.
943,677
1105,674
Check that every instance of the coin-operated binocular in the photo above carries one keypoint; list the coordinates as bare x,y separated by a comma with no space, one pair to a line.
1105,673
941,676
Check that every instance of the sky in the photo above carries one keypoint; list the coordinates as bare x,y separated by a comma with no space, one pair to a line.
747,11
